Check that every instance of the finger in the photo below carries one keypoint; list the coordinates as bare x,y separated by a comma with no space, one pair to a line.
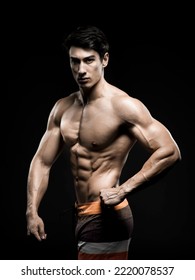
42,233
112,195
36,234
43,236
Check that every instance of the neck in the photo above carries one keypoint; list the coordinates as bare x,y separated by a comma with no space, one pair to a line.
95,92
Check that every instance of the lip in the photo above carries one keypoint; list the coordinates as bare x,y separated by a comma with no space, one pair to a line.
83,80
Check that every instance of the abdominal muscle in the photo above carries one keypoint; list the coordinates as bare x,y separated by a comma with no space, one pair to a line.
93,171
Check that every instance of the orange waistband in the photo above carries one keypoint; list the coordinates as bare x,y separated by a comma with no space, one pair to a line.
95,207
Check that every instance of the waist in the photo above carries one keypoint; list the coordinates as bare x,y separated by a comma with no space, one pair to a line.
95,207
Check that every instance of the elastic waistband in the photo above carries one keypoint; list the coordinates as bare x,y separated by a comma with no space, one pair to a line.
95,207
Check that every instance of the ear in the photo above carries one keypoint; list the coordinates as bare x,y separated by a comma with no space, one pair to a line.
105,59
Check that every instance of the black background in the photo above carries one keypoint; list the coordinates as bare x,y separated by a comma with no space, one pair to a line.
151,58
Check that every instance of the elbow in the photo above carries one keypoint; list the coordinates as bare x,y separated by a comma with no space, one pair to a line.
175,154
179,158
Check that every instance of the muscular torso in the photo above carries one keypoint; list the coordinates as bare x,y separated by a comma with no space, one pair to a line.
99,143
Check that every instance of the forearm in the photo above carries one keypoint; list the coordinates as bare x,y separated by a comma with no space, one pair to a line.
158,162
36,187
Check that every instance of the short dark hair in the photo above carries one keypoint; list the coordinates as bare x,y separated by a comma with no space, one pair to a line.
88,37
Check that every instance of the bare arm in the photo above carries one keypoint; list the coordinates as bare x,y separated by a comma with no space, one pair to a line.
155,137
49,148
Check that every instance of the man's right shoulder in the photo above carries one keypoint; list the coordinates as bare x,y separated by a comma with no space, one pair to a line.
66,101
61,106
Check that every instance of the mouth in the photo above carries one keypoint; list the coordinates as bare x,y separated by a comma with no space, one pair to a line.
83,80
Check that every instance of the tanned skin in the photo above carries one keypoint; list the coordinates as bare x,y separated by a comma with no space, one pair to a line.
99,124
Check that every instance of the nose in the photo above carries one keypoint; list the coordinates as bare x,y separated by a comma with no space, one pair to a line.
81,68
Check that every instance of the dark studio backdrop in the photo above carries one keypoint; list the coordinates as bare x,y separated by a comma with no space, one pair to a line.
152,62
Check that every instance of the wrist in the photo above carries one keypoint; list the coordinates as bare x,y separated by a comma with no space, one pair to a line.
145,177
31,213
126,188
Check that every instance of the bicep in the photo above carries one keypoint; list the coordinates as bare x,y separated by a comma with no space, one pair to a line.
151,133
50,146
51,143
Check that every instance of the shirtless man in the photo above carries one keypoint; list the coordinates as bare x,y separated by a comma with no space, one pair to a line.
99,124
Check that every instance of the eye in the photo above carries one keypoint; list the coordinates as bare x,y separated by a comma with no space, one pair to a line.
74,61
89,60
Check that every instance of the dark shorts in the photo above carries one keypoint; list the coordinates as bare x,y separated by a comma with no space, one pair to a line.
103,232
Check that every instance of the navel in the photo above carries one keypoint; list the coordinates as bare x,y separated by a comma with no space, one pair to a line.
94,144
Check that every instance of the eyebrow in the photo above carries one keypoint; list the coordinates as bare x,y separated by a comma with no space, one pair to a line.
86,57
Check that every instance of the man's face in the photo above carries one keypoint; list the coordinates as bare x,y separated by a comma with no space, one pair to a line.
86,65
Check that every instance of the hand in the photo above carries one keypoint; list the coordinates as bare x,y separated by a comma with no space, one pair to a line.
112,196
35,226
